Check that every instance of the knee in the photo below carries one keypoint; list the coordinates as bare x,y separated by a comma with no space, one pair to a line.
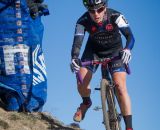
121,89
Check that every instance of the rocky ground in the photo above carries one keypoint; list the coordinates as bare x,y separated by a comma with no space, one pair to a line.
32,121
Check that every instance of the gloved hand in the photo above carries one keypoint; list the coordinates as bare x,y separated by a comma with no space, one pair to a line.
126,56
75,65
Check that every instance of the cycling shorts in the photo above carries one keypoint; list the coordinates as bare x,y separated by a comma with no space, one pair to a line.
114,66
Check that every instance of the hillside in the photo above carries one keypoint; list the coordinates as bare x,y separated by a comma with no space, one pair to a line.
31,121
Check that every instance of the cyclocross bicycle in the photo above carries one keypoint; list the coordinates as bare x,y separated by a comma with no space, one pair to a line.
111,117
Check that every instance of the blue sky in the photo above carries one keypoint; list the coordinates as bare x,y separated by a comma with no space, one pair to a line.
143,83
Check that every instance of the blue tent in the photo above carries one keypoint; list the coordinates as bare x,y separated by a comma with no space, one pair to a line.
23,81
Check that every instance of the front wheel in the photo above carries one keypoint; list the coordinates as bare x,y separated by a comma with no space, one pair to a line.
110,115
104,83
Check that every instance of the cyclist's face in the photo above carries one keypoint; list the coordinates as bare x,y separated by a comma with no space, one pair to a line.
98,14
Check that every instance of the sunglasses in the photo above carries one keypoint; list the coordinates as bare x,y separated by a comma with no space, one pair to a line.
99,10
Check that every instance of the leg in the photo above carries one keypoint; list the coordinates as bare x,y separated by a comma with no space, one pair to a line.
84,91
124,100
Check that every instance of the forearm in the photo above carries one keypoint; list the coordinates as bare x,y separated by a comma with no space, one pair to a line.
126,31
78,39
76,46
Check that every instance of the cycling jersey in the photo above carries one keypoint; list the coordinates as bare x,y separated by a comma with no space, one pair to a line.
105,37
22,67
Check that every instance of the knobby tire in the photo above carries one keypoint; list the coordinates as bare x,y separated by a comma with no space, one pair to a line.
104,105
110,115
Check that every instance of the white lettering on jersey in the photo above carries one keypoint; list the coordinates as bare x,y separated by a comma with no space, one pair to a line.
122,22
39,67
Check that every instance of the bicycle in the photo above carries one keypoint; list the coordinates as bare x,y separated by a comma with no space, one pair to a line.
111,117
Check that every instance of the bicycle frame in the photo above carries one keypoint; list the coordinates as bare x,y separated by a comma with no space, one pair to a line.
103,62
110,115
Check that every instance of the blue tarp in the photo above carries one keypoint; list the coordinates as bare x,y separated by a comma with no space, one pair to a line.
23,81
